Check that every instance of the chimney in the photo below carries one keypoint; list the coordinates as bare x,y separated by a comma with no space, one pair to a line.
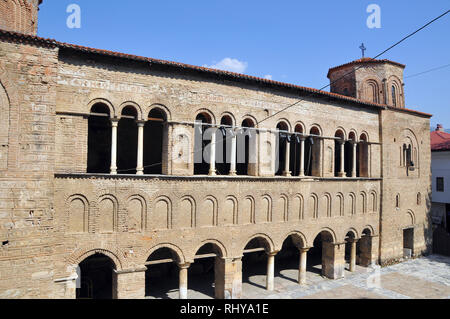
440,128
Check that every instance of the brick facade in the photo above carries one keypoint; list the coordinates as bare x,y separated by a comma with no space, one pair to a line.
54,215
19,15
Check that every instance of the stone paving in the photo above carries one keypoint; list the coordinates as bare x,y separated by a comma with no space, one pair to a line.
423,278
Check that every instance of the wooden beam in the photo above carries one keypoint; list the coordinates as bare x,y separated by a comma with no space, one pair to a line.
99,114
154,119
157,262
254,250
205,256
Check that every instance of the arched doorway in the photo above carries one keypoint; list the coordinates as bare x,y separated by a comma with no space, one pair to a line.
255,265
96,278
127,141
99,140
288,263
204,281
155,131
364,248
322,257
161,276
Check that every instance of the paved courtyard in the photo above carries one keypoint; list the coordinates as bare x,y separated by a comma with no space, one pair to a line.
426,277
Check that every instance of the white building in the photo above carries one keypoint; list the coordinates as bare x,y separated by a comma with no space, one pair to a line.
440,167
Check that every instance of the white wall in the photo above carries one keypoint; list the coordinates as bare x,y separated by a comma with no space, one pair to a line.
440,167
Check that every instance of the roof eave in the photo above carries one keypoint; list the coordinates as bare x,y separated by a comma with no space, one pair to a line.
232,75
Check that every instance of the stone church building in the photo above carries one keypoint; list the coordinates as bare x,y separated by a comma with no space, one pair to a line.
121,175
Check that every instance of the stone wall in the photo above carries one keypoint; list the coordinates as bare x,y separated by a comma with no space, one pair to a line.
412,187
27,76
53,215
19,16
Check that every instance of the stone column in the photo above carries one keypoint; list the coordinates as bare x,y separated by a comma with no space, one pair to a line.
302,266
368,250
302,156
212,158
333,260
140,150
354,144
287,172
183,277
233,154
342,168
129,284
114,125
352,266
228,278
270,271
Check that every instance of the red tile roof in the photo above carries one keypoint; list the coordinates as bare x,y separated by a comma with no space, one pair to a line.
30,39
440,141
362,61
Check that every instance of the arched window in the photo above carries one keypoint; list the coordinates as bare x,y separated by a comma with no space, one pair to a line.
246,149
363,156
296,151
201,158
349,154
313,153
127,141
407,156
223,146
283,142
371,91
339,154
394,95
99,140
155,133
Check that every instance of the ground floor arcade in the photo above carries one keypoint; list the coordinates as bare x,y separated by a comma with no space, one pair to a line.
211,275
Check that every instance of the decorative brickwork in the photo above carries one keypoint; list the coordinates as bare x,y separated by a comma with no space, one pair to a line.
64,111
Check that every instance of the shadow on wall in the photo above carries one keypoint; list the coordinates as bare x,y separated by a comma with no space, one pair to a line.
428,226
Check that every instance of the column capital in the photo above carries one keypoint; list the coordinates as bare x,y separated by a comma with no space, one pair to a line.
140,122
115,121
184,265
272,253
304,249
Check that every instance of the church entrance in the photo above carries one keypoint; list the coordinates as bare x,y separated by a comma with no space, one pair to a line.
96,278
408,242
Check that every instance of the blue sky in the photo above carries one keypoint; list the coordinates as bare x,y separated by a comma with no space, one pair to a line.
290,41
